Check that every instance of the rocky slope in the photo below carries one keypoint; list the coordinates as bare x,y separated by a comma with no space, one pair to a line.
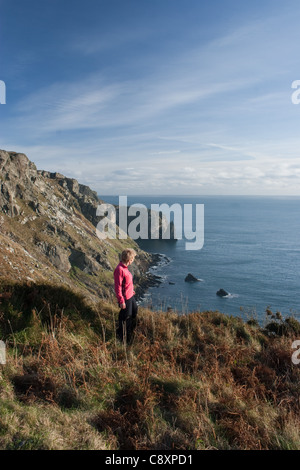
48,234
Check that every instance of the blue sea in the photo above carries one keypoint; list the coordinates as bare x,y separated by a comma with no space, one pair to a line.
251,249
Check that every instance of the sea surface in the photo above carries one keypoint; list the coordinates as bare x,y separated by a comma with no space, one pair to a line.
251,249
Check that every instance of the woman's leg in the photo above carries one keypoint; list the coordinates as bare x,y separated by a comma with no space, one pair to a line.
127,320
132,323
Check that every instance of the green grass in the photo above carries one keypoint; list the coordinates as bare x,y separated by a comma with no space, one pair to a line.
193,381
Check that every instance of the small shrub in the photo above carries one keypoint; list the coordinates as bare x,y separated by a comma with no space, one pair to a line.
29,387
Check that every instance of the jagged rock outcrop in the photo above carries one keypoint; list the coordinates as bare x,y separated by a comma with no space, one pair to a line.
17,174
84,262
56,255
48,230
166,229
85,197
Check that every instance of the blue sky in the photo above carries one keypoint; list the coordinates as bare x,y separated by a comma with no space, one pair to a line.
155,97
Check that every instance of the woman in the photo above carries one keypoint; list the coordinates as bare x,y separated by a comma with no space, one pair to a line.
125,296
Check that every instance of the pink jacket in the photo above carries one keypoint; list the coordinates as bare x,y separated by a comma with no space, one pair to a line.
123,283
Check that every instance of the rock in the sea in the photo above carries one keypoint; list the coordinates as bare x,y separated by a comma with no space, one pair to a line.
222,293
190,278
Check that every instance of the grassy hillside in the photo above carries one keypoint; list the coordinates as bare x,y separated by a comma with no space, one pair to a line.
48,232
196,381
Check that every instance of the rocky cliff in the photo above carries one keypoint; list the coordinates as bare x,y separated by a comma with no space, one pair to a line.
47,231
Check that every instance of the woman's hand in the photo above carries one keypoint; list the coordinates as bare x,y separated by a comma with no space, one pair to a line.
123,306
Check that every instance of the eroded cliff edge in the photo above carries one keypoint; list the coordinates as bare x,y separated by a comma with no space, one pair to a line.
48,231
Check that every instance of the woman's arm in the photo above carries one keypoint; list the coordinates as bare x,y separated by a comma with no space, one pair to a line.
118,276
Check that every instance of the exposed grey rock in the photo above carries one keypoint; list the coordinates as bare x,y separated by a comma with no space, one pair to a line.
18,174
166,229
53,218
56,255
102,260
83,262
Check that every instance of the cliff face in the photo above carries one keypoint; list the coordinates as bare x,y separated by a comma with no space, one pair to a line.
47,230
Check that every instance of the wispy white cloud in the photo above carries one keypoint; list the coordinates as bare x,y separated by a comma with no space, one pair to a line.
93,43
211,70
216,117
171,175
93,104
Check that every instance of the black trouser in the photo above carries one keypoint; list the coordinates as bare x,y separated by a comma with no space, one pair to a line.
127,320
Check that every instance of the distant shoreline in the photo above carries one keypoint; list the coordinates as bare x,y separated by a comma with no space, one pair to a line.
151,279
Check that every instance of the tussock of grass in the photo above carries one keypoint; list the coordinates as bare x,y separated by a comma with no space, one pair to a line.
195,381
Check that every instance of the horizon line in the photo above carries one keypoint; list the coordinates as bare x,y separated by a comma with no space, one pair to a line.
201,195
